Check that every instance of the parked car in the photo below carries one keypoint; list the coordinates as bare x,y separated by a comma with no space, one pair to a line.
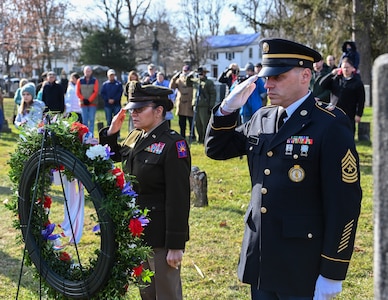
11,85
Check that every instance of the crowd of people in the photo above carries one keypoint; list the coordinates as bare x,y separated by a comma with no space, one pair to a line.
194,94
296,220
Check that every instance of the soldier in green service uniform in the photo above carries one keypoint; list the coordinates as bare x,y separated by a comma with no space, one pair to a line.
160,159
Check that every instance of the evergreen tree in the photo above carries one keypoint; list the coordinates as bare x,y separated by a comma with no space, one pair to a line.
107,47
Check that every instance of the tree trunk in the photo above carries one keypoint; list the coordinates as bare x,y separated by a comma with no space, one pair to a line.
361,24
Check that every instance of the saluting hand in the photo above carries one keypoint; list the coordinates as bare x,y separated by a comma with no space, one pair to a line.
239,95
117,122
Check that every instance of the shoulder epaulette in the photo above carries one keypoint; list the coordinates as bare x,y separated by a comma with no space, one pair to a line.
322,106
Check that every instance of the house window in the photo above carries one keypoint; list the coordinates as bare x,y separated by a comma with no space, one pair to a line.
214,71
229,55
250,53
213,55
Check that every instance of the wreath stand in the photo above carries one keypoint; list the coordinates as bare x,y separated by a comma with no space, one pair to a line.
35,172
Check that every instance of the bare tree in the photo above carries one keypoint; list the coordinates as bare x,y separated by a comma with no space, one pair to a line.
112,12
199,21
249,11
212,10
9,36
42,23
323,25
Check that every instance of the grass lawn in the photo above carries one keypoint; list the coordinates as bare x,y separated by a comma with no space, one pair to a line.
216,230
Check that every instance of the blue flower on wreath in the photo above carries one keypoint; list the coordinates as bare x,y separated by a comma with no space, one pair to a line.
128,190
48,231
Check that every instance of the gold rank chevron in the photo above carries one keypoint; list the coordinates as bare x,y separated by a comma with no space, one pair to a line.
345,236
349,168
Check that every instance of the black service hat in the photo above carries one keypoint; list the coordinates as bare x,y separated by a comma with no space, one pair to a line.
249,66
202,70
142,95
280,56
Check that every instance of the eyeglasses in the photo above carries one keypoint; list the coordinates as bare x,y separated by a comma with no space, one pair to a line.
140,109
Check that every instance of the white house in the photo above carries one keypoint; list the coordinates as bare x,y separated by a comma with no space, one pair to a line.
234,48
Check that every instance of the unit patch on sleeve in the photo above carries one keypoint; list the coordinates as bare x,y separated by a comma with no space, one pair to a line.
349,168
181,147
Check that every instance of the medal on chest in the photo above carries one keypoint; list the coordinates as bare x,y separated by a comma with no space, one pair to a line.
296,173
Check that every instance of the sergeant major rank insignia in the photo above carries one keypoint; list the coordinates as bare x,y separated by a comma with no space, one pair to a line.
349,168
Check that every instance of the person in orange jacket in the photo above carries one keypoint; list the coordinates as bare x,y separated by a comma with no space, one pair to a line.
87,92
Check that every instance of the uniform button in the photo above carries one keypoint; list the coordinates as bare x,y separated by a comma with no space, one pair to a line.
263,210
295,156
250,148
267,171
146,161
269,153
264,191
310,235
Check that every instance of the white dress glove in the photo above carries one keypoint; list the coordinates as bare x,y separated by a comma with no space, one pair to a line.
326,289
239,95
330,107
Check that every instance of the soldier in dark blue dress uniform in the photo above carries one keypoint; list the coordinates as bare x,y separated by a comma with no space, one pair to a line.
300,225
160,159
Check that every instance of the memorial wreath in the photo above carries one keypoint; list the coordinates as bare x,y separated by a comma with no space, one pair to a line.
57,170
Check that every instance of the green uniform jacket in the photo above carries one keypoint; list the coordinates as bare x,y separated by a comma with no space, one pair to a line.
161,163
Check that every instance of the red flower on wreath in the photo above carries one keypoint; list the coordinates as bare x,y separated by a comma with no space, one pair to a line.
135,226
120,180
138,270
47,201
80,128
64,256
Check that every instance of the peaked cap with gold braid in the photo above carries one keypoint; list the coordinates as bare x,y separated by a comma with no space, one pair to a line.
280,56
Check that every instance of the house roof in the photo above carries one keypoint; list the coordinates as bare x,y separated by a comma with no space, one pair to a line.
231,40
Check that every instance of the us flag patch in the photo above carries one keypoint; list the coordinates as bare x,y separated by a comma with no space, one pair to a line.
181,147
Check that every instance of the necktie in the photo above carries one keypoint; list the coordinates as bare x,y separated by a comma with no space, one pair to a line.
282,116
140,138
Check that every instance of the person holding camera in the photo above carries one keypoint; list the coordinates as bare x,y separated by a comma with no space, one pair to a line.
183,84
230,75
204,99
87,92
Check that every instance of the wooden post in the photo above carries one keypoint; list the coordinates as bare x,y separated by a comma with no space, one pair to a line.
198,185
100,125
380,175
5,127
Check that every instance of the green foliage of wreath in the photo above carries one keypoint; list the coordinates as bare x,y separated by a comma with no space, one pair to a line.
119,203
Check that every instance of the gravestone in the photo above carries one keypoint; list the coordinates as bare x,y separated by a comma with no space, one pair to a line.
198,185
380,175
364,131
